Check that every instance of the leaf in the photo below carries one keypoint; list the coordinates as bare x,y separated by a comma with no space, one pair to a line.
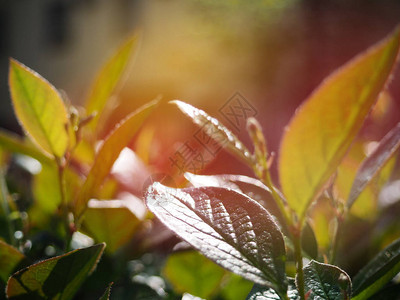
39,109
117,140
323,281
259,292
111,221
216,131
379,271
366,207
227,227
55,278
10,260
374,162
249,186
106,295
14,143
190,272
46,192
236,287
323,128
111,75
309,241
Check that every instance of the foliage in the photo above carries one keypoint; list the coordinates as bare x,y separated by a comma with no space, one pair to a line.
245,233
54,234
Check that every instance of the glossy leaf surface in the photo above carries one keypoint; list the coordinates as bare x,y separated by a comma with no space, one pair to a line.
379,271
259,292
249,186
216,131
323,128
10,258
39,109
227,227
108,79
55,278
118,139
371,165
323,281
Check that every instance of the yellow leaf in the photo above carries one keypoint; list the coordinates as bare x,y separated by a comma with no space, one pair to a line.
108,79
39,109
323,128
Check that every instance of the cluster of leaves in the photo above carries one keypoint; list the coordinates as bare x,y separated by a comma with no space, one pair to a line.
291,241
78,185
87,189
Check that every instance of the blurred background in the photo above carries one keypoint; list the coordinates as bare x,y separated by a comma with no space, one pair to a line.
267,54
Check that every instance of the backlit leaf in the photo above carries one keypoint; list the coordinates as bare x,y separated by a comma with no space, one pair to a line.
190,272
249,186
55,278
371,165
227,227
236,287
10,259
111,221
46,191
109,151
39,108
323,128
216,131
379,271
14,143
109,78
323,281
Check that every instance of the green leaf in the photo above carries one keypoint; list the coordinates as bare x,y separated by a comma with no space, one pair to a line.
14,143
227,227
39,109
236,287
55,278
111,221
323,281
259,292
190,272
374,163
216,130
324,127
46,191
109,152
106,295
379,271
10,260
109,78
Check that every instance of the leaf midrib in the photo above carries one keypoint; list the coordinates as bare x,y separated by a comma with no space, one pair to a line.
232,245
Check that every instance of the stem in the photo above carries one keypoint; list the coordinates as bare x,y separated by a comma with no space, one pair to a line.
336,238
299,263
6,209
281,205
64,205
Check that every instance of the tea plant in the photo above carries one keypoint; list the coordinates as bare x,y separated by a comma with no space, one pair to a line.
68,207
257,229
